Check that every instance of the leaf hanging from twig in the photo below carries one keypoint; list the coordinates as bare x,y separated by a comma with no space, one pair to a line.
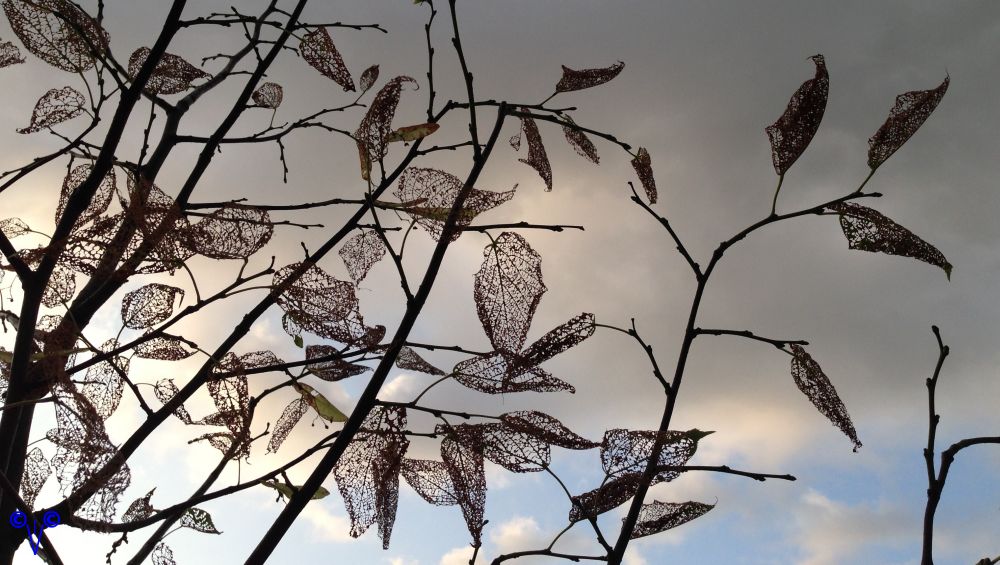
431,480
140,508
587,78
13,227
662,516
55,107
172,74
57,32
581,144
644,170
377,123
868,230
468,474
410,360
162,555
333,368
361,252
163,349
164,390
909,112
98,203
149,305
36,472
198,520
628,451
546,428
105,382
560,339
289,417
436,192
792,132
287,491
811,380
411,133
318,50
230,233
537,158
508,288
269,95
501,373
368,78
319,403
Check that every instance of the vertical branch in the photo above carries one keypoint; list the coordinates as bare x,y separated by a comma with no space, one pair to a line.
934,487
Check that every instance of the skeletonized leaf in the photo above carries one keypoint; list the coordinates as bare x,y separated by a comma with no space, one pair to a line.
582,144
587,78
320,404
286,491
431,480
36,472
909,112
537,158
500,372
148,305
57,31
610,495
198,519
269,95
333,368
230,395
868,230
368,78
164,390
259,359
13,227
560,339
104,383
361,252
60,288
9,54
508,288
55,107
662,516
377,123
410,360
411,133
98,203
811,380
162,348
644,170
172,74
468,474
140,508
289,417
231,233
792,132
318,50
316,300
514,450
223,441
162,555
628,451
546,428
436,192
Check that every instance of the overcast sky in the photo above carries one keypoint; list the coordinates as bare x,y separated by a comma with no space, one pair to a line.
702,80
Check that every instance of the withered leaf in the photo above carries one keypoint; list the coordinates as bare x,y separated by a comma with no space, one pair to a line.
468,474
198,520
9,54
230,395
644,170
436,192
332,368
36,472
811,380
410,360
411,133
289,417
164,390
361,252
537,158
60,288
100,201
163,348
368,78
259,359
162,555
148,305
13,227
318,50
58,32
508,288
269,95
500,372
581,144
140,508
316,300
104,383
55,107
792,132
546,428
909,112
431,480
319,403
610,495
560,339
231,233
514,450
662,516
628,451
377,123
868,230
172,74
587,78
223,441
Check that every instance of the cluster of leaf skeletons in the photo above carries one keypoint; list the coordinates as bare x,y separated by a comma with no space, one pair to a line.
153,234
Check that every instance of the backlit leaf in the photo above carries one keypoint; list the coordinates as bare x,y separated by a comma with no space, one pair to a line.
164,390
140,508
269,95
333,368
792,132
508,288
587,78
662,516
320,404
13,227
36,472
537,158
467,469
811,380
581,144
410,360
9,54
57,31
377,123
286,491
55,107
230,233
361,252
98,203
436,192
502,373
546,428
431,480
198,519
368,78
411,133
104,383
644,170
318,50
149,305
909,112
162,555
172,74
289,417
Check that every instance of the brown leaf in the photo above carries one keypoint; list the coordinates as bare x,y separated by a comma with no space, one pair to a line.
259,359
909,112
58,32
508,288
9,54
289,417
231,233
361,252
55,107
411,133
610,495
36,472
230,395
468,473
501,373
318,50
560,339
587,78
368,78
811,380
644,170
269,95
140,508
172,74
377,123
334,369
581,144
316,300
868,230
436,192
793,131
60,288
537,158
431,480
410,360
149,305
98,203
662,516
162,555
628,451
546,428
13,227
163,348
164,390
104,382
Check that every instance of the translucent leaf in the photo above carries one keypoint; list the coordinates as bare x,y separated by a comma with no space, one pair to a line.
164,390
435,192
431,480
140,508
377,123
581,144
468,474
149,305
223,441
13,227
104,383
318,50
162,555
199,520
411,133
60,288
269,95
333,369
514,450
100,201
368,78
259,359
560,339
55,107
286,491
316,300
909,112
172,74
501,373
811,380
792,132
367,473
628,451
508,288
36,472
546,428
644,170
9,54
662,516
231,233
868,230
587,78
289,417
409,360
230,395
610,495
320,404
163,349
361,252
537,158
57,31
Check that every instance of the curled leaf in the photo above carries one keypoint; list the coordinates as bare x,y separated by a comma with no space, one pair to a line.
287,491
587,78
411,133
377,123
811,380
662,516
793,131
269,95
318,50
560,339
868,230
172,74
140,508
581,144
9,54
610,495
909,112
537,158
644,170
410,360
320,404
468,473
55,107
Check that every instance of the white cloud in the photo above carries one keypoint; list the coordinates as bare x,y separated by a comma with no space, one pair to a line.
457,556
516,534
402,561
401,388
327,526
633,557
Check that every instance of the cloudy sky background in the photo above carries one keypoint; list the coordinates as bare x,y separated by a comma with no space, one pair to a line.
701,82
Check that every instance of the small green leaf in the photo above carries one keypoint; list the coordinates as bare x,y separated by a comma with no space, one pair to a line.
298,341
320,404
198,519
286,491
